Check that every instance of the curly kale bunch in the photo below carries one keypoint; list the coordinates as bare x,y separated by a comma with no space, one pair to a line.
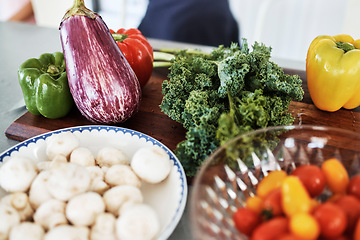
219,95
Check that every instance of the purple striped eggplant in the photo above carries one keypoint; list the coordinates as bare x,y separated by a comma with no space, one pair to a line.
104,86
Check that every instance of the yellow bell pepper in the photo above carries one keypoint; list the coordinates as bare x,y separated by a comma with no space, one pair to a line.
333,72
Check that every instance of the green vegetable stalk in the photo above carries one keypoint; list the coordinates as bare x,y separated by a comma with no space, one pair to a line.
44,84
220,95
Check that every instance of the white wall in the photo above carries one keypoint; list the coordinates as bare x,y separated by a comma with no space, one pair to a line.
288,26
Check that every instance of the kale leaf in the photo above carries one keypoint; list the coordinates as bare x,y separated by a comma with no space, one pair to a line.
217,96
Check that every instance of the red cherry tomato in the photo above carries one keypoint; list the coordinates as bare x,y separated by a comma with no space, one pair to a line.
272,204
312,177
271,230
332,219
246,220
354,186
351,206
357,230
289,236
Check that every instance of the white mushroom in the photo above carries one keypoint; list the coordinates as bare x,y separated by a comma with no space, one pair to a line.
104,227
9,218
151,164
138,223
109,156
47,164
67,180
82,209
61,143
43,165
38,193
20,202
58,159
51,214
120,174
117,197
68,232
97,183
28,231
17,174
82,156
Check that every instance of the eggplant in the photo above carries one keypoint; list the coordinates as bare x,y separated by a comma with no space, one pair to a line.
104,86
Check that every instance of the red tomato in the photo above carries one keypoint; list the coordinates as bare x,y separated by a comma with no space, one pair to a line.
246,220
332,219
137,51
354,186
289,236
271,230
357,230
312,177
272,203
351,206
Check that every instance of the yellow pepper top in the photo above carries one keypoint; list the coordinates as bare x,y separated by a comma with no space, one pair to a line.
333,72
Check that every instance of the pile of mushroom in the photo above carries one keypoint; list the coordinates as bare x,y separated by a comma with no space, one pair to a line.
76,194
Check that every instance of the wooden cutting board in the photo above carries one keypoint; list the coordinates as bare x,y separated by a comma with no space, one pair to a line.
151,121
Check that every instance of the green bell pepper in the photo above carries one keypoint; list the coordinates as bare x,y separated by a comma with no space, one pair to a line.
45,87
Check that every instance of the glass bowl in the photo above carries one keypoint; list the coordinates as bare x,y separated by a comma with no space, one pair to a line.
230,175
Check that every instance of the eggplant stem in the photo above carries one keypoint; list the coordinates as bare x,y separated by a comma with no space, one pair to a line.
79,9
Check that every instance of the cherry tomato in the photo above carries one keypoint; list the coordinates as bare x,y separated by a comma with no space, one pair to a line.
332,219
294,196
246,220
304,225
270,182
312,177
354,186
271,230
336,176
254,203
272,204
289,236
351,206
357,230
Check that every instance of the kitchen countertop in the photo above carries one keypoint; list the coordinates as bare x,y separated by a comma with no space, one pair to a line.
20,41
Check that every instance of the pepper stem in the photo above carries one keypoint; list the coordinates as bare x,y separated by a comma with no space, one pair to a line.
52,69
345,46
79,9
119,37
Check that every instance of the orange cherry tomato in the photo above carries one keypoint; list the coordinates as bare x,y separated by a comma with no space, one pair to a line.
254,203
351,206
272,204
354,186
305,226
336,176
312,177
270,182
271,230
332,219
246,220
295,198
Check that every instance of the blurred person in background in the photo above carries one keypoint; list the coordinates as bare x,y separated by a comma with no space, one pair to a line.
16,10
206,22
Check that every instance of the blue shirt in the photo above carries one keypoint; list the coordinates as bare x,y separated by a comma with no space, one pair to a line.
207,22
